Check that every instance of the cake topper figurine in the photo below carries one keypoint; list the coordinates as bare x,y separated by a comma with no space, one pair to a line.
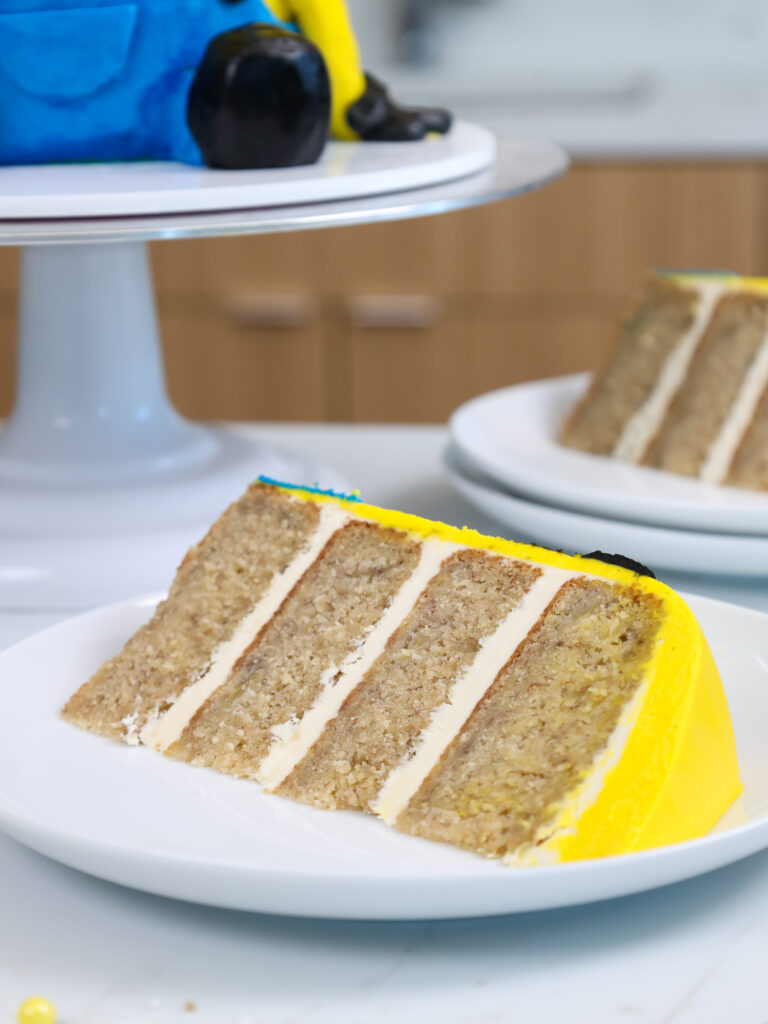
228,83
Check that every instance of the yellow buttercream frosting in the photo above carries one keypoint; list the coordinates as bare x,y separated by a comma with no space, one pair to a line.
728,281
670,770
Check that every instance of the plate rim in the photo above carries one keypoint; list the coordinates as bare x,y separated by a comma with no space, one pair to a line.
28,828
688,515
461,478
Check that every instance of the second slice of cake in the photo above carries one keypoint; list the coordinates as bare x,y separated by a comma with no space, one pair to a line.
686,386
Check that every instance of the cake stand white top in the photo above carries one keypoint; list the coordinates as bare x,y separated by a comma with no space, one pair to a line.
345,171
354,183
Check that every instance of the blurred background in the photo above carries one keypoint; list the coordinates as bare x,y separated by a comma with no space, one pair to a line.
661,104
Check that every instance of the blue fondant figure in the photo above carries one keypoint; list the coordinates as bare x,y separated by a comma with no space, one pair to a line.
222,82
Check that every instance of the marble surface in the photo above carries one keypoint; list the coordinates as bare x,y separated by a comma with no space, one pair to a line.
689,954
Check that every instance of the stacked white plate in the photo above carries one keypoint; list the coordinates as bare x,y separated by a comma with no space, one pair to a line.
505,459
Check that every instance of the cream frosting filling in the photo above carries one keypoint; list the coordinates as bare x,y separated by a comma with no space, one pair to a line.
294,739
449,719
641,428
722,451
164,730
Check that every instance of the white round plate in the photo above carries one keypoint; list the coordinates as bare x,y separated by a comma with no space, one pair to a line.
346,170
129,815
692,551
511,434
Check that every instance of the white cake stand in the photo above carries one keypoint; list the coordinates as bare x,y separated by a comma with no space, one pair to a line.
103,484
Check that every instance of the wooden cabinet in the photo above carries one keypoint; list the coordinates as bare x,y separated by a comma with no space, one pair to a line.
219,266
594,232
7,359
404,321
422,375
9,272
220,371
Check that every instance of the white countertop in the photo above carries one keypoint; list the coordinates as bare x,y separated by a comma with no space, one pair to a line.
692,953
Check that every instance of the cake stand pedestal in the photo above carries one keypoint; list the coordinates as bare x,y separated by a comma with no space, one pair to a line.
104,485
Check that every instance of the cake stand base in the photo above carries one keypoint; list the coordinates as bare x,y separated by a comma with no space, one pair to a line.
76,547
104,485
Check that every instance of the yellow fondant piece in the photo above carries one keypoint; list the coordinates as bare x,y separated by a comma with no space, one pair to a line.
36,1011
326,23
670,771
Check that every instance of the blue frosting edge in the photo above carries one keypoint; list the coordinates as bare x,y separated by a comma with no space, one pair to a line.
309,490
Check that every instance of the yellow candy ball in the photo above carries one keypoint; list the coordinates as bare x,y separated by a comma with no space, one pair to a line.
36,1011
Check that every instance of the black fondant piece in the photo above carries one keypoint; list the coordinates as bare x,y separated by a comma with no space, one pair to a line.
261,97
623,562
377,118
